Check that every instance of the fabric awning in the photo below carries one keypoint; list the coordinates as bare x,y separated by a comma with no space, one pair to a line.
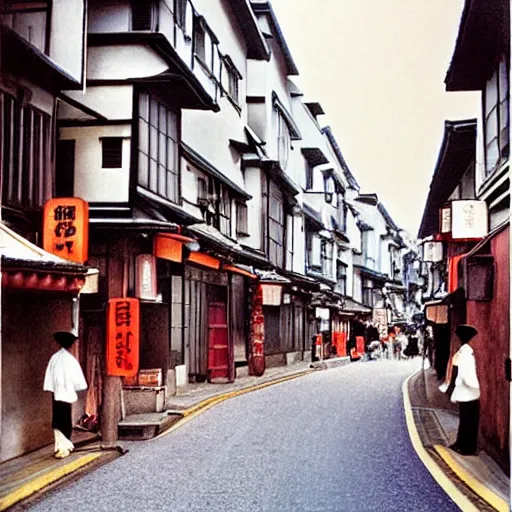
352,306
26,266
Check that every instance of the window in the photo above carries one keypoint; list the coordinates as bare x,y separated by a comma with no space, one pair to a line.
495,105
274,226
144,15
158,148
112,152
341,277
309,176
314,250
283,141
369,248
223,223
29,20
25,141
214,200
231,77
200,39
180,9
202,190
326,252
329,189
241,219
368,293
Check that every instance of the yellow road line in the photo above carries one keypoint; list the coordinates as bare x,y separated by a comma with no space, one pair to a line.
473,483
43,481
199,408
437,473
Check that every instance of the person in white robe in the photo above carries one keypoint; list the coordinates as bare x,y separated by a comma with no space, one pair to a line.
63,377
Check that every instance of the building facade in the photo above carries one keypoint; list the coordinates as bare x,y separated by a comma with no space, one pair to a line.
467,217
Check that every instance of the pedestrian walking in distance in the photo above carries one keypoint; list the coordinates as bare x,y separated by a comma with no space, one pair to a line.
466,391
63,377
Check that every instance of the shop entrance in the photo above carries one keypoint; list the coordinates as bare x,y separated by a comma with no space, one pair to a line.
218,348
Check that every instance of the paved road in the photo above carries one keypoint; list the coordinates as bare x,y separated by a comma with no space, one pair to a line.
333,441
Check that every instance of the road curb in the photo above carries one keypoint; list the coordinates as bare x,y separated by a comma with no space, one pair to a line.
490,497
41,482
462,501
195,410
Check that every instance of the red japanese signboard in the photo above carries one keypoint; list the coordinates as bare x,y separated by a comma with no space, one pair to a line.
66,228
123,333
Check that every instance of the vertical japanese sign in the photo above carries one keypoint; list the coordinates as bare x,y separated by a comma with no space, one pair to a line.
123,332
66,228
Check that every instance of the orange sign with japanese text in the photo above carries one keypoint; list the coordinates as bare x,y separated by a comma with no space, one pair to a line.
123,336
66,228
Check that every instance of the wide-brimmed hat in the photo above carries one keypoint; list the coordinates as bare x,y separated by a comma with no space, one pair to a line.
465,332
64,338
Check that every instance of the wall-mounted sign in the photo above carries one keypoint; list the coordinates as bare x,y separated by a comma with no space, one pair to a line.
271,294
445,220
145,286
433,251
66,228
123,333
469,219
464,219
437,313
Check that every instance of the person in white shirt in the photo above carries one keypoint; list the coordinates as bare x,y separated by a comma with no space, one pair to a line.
466,392
63,377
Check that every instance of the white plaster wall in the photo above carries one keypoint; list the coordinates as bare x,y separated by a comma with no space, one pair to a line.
115,102
299,246
371,215
315,201
480,154
253,184
208,133
257,78
67,36
331,155
357,290
109,16
277,75
350,273
353,232
92,183
121,62
385,257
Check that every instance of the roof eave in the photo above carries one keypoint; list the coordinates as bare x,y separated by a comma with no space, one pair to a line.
257,47
483,35
453,137
266,8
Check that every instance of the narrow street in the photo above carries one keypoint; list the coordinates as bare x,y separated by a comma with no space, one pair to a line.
334,440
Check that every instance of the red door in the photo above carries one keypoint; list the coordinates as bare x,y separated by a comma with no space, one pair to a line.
218,349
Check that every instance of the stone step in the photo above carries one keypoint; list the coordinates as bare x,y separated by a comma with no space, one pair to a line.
140,427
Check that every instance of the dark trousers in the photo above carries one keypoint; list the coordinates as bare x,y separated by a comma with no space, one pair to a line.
61,418
467,435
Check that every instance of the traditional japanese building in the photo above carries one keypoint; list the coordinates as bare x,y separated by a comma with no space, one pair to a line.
42,53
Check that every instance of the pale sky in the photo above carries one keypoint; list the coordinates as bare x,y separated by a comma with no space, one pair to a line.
377,67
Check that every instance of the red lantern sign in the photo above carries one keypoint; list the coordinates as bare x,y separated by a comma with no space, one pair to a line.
66,228
123,333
